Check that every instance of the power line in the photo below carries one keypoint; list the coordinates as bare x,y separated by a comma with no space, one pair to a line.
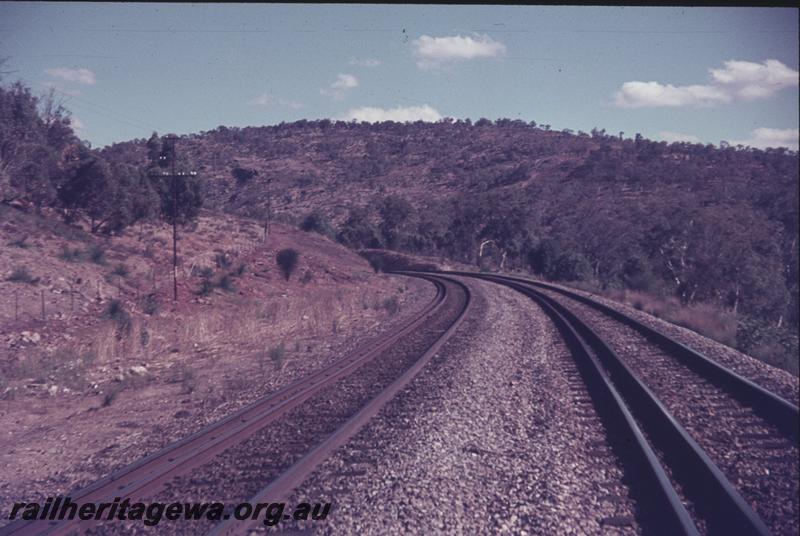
108,113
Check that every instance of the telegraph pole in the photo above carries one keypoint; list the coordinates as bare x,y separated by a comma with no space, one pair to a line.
168,157
269,208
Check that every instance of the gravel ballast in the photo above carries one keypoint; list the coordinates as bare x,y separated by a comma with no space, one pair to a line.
494,436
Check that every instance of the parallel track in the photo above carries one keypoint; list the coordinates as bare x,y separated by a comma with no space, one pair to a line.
280,488
715,502
148,475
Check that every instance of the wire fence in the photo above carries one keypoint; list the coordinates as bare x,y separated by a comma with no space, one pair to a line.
67,298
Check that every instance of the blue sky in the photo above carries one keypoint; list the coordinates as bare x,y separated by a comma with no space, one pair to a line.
124,70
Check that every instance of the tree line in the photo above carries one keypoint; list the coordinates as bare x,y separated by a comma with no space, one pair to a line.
44,164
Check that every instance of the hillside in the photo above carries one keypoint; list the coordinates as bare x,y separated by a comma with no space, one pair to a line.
714,229
700,223
112,349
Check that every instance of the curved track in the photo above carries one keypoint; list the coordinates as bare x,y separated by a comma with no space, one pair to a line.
715,503
149,475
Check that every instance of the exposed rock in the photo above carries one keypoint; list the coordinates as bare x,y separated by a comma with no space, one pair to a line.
138,370
31,336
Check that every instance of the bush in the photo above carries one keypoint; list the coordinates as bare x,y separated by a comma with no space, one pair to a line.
112,392
240,270
187,378
70,255
226,283
391,305
317,223
243,175
120,270
203,271
277,354
96,254
20,242
116,312
287,261
222,260
150,304
206,286
308,277
21,275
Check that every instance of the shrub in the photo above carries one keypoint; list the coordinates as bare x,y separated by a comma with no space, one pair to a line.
70,255
277,354
120,270
308,277
150,304
116,312
226,283
96,254
287,261
206,286
203,271
187,378
391,305
222,260
243,175
144,337
112,392
317,223
20,274
20,242
240,270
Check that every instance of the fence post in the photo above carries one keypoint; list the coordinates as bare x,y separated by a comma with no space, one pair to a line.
16,304
43,315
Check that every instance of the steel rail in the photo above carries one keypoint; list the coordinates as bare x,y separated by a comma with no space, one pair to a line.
280,488
718,500
151,472
772,408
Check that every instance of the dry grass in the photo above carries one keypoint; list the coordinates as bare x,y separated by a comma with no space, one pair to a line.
708,319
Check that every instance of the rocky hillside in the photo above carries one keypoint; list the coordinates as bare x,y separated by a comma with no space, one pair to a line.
700,223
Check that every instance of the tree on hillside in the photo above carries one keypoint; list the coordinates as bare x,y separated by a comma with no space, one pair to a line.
394,211
88,188
316,222
243,175
357,231
287,261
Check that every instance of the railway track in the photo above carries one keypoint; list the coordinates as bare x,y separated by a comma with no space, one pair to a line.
307,409
727,446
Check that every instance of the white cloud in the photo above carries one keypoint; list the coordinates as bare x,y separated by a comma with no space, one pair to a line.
746,80
268,99
339,87
80,76
737,80
432,52
671,137
645,94
762,138
366,62
400,114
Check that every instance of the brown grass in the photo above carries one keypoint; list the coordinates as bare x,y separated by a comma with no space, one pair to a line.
708,319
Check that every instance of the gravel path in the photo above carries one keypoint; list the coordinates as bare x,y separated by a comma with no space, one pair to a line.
751,453
496,436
